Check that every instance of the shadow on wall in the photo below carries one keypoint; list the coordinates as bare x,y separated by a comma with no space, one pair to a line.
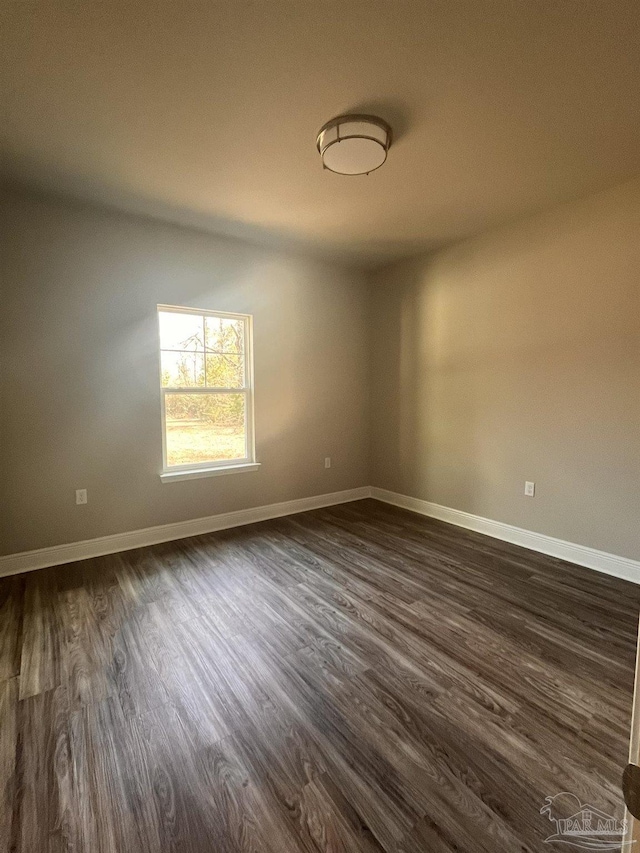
438,403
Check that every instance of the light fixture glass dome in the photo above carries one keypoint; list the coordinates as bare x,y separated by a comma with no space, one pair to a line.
354,144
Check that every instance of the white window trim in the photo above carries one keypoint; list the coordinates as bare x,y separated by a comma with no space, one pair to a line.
174,473
195,474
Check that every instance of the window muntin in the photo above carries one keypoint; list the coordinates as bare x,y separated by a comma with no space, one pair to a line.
207,389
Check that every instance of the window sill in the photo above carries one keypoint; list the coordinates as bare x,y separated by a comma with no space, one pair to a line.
195,474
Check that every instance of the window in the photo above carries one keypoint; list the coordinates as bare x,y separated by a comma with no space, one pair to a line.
206,381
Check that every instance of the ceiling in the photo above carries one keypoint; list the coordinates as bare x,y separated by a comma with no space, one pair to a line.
207,112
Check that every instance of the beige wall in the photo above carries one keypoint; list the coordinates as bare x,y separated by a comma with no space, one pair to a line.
80,403
513,357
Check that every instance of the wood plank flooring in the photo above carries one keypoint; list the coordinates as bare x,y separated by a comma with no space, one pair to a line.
351,679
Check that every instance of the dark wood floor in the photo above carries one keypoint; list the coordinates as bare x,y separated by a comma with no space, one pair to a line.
351,679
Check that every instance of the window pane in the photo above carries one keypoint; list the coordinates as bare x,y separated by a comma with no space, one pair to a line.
204,428
181,331
182,369
225,371
224,335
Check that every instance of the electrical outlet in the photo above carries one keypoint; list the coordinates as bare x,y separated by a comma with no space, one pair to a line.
529,489
327,462
81,496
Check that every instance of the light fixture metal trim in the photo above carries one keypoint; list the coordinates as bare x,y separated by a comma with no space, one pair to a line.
372,134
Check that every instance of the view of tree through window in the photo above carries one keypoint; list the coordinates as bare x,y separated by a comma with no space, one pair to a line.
204,379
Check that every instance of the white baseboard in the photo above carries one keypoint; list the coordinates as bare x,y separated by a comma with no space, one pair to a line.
601,561
28,561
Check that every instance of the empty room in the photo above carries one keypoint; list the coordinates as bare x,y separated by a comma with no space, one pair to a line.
319,426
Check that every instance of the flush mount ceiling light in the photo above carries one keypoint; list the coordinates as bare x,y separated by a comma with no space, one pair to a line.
354,144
